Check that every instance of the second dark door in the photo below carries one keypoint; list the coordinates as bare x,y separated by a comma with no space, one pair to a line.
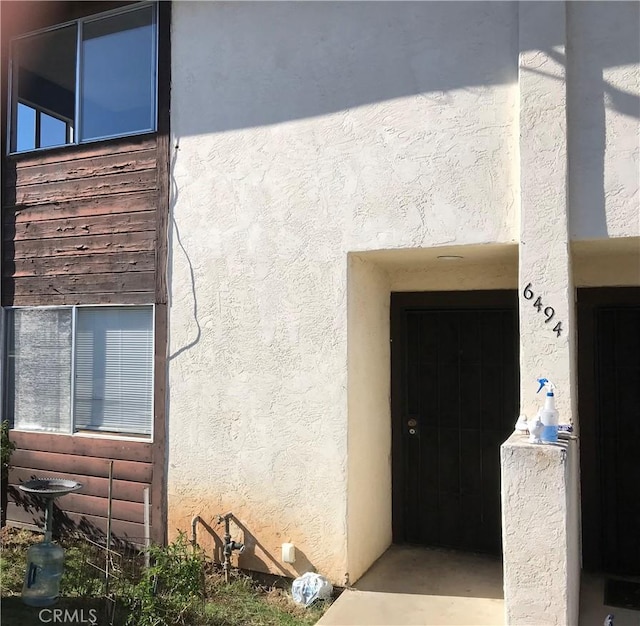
609,409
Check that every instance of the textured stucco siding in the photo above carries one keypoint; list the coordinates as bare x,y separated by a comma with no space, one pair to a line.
324,155
607,262
603,94
369,430
304,132
539,522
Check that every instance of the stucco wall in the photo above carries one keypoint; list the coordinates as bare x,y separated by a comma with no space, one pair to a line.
603,97
544,251
607,262
298,139
540,532
369,431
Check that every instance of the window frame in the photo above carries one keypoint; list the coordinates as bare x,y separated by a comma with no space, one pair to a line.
74,313
12,103
39,111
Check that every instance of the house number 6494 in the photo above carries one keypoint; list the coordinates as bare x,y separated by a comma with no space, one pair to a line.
548,312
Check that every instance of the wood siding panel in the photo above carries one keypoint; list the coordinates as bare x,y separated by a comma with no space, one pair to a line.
91,525
130,531
92,505
91,485
81,465
134,297
86,151
116,449
81,226
82,168
100,283
76,222
85,459
82,188
103,205
78,265
76,246
82,505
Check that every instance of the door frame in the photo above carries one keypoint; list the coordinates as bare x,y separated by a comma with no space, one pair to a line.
588,300
401,302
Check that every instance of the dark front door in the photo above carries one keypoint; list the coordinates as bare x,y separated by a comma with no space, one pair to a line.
455,399
609,412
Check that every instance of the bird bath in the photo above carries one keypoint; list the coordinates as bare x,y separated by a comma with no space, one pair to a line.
49,489
45,560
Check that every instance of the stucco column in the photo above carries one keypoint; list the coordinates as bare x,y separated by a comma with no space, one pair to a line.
545,265
541,544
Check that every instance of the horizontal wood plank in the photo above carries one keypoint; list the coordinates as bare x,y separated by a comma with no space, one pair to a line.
81,226
83,188
84,151
96,527
67,521
92,505
96,283
91,485
84,504
77,246
101,205
82,465
87,167
133,297
74,265
79,445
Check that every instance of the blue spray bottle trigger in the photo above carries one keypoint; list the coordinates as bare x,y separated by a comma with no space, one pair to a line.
543,382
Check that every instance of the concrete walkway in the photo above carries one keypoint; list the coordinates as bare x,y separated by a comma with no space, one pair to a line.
421,586
413,586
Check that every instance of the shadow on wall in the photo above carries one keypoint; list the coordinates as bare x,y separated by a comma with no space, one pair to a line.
268,62
601,36
248,559
265,63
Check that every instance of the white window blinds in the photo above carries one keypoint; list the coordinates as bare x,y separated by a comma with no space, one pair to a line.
113,386
39,369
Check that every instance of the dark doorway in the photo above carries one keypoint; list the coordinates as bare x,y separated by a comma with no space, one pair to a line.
609,410
455,399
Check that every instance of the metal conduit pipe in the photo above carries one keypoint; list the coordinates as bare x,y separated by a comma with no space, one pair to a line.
229,545
194,523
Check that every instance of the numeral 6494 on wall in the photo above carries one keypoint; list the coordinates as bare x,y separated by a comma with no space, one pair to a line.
549,312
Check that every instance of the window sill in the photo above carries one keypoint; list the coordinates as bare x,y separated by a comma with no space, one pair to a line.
90,435
94,143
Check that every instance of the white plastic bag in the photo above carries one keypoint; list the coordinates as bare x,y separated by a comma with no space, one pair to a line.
311,587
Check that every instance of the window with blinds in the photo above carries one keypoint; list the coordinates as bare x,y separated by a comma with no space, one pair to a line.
81,368
113,387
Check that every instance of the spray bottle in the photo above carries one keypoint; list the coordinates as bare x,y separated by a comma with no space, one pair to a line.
548,415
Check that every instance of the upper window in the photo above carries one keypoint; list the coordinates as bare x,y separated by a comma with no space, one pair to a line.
89,80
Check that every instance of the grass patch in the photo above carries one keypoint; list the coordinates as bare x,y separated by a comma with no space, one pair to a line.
179,589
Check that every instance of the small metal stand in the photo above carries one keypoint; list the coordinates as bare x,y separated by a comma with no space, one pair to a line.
45,560
49,489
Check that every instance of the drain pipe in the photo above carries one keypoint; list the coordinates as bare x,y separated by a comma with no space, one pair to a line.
229,545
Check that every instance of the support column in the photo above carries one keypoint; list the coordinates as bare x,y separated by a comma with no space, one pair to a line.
544,263
541,542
